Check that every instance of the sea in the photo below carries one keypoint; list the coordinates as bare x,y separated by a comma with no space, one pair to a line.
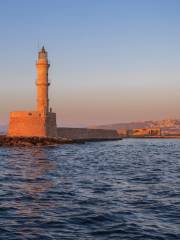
126,189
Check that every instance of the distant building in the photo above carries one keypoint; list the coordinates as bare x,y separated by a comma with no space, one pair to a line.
41,122
122,132
171,131
145,132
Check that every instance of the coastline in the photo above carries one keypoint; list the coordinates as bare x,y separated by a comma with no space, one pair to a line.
153,137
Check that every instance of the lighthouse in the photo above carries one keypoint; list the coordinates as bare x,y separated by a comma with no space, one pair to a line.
42,121
42,82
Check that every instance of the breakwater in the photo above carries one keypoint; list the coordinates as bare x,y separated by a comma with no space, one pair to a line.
34,141
45,141
86,133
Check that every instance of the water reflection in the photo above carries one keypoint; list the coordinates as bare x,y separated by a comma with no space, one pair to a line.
30,177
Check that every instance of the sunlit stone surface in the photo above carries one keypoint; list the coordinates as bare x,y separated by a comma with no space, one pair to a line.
41,122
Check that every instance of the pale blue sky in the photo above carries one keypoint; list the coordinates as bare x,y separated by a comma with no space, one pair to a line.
111,60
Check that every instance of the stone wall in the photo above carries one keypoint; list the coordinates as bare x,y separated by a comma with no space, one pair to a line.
85,133
26,124
30,124
51,127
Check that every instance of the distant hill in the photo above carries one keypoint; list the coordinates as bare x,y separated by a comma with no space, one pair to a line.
168,123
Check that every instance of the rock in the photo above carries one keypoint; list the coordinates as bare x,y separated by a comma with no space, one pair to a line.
42,141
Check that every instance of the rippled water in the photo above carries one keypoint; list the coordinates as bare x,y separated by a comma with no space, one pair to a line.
127,189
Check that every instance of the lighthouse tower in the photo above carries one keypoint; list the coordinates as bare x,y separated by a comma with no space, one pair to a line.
42,122
42,83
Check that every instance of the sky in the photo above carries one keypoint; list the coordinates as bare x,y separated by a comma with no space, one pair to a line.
111,60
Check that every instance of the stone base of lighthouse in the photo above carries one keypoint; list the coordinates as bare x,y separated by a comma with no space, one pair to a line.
31,124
